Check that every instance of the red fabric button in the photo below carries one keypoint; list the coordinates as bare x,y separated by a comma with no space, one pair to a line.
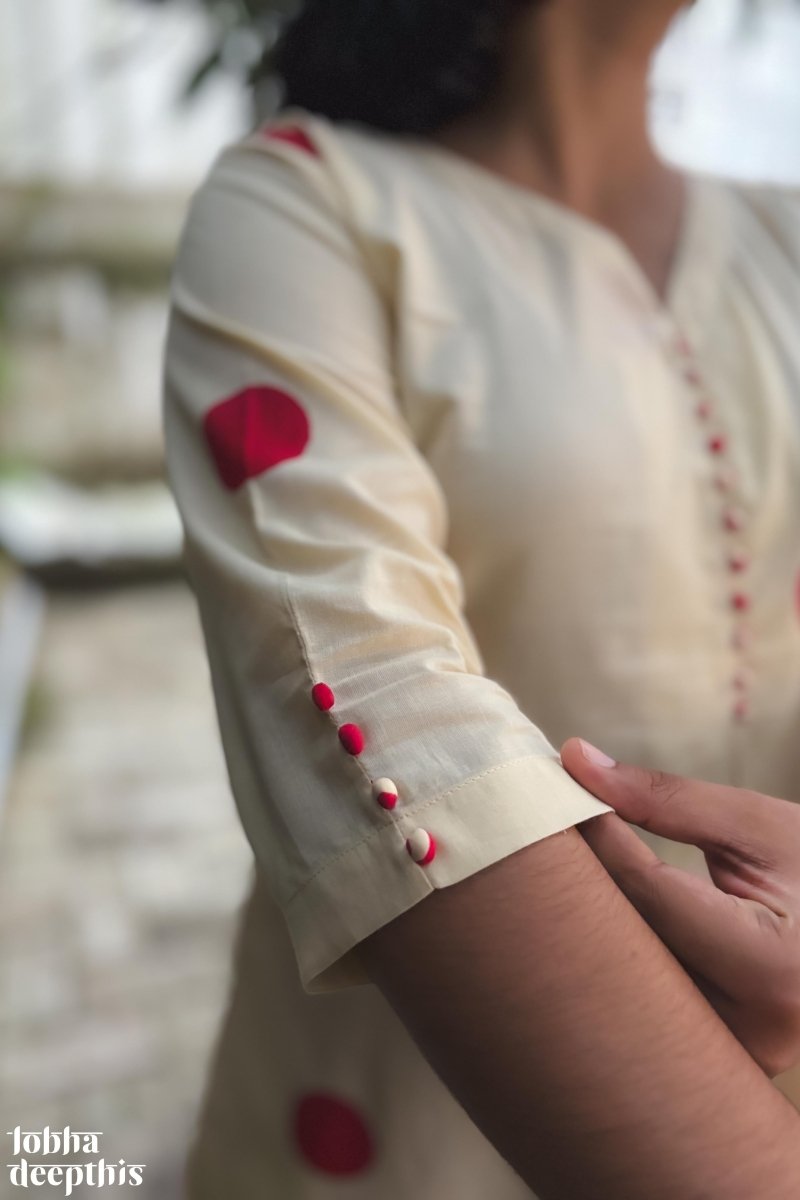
717,444
740,601
741,637
738,561
733,520
294,135
351,738
331,1135
254,430
322,696
724,479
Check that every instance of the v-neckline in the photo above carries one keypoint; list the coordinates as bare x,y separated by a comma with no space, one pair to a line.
697,255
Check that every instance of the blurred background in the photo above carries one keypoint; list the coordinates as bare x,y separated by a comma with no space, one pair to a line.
121,860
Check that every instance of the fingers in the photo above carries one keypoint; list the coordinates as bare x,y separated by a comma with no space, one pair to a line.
715,935
746,826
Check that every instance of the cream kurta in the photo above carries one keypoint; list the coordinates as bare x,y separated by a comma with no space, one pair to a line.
437,444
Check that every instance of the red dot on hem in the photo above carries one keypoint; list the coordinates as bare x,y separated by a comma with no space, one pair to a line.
331,1135
351,738
323,696
254,430
293,135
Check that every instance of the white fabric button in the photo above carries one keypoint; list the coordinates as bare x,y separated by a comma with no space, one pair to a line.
385,792
421,846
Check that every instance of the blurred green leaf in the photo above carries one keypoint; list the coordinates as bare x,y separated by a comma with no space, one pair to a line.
202,73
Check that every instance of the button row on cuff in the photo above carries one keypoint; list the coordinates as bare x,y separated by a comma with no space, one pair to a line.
420,844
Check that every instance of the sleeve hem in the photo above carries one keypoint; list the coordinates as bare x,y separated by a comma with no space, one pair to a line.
476,823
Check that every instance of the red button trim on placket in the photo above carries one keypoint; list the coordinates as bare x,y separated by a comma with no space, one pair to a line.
741,637
351,738
323,696
725,479
733,520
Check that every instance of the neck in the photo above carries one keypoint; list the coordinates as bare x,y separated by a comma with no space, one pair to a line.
571,121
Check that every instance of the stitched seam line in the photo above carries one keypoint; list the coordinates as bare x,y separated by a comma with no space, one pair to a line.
373,833
312,676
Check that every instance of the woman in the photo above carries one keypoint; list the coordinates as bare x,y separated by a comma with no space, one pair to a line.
483,424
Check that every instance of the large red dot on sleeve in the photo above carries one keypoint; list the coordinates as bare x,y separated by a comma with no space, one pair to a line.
331,1135
253,430
292,134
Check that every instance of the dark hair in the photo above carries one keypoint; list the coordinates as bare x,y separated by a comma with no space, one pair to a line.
404,66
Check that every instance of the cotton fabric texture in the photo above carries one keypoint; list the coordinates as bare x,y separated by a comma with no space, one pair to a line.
437,444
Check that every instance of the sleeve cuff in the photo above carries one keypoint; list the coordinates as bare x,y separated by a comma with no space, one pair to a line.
475,823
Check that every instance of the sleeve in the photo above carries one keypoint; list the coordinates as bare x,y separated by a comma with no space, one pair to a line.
370,757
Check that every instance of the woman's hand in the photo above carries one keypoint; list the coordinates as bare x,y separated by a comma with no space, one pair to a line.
740,939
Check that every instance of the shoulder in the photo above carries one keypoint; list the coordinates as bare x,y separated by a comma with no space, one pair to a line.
354,169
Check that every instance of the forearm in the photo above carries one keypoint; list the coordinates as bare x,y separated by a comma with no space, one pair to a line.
577,1043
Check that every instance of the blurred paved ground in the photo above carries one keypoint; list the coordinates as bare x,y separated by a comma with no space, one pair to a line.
121,867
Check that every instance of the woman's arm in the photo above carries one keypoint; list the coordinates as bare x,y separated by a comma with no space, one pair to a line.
577,1043
316,541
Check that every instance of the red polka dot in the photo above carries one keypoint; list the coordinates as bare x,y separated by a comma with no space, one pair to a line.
322,696
717,444
332,1136
740,601
294,135
253,430
351,738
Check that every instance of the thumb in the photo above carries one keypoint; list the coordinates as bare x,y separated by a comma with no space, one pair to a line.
742,825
